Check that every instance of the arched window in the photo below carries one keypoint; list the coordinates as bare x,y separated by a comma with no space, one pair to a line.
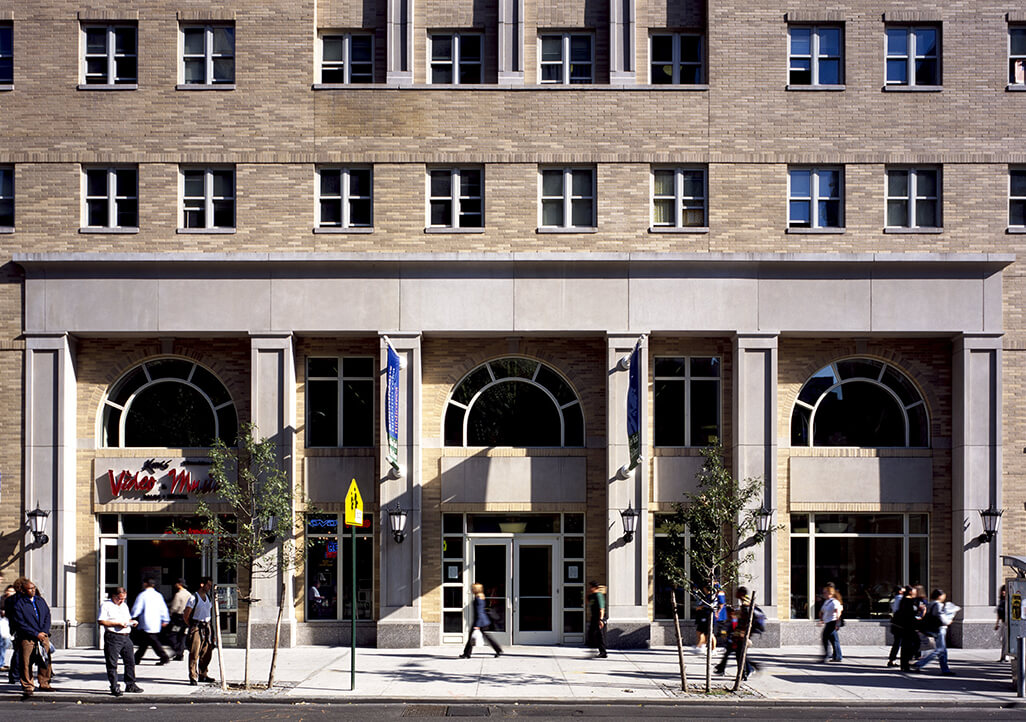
514,402
859,402
170,402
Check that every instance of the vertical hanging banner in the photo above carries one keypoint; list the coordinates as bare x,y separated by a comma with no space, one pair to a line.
634,407
392,421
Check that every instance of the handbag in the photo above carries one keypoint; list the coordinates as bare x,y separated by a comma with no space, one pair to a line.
477,638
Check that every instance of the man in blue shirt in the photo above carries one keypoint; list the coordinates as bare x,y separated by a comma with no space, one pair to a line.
30,621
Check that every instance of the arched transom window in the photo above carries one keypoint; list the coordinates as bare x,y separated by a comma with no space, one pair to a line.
514,402
168,402
859,402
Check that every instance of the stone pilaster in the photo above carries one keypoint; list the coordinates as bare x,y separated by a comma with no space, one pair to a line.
511,42
622,52
399,43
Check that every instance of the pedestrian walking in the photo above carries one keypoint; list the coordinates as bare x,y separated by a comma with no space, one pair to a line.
938,616
598,618
907,620
6,637
151,611
706,603
737,636
896,634
197,616
480,625
14,669
29,615
720,621
1000,624
830,617
176,610
117,622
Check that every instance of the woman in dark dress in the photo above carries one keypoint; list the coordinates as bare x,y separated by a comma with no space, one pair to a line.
481,623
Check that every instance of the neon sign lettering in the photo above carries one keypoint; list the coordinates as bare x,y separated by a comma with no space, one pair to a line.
181,482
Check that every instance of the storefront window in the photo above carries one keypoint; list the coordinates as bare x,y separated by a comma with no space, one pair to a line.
329,593
865,555
340,401
662,592
686,408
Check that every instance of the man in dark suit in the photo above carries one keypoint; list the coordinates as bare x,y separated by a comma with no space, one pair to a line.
30,617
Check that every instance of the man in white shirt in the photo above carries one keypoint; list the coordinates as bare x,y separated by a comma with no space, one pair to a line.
176,632
151,611
117,623
198,612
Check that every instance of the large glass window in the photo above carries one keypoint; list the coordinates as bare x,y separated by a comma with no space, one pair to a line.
913,56
686,407
329,588
679,198
344,198
662,591
913,198
567,197
340,401
208,198
208,54
566,59
814,55
1017,55
866,556
815,198
110,56
1016,198
677,59
455,59
6,196
454,198
514,402
111,198
6,54
347,58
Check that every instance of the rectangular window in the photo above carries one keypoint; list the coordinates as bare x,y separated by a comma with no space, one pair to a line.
208,54
1017,55
6,55
6,196
111,197
455,59
663,588
455,198
679,198
677,59
913,56
686,405
566,59
814,55
1016,198
208,198
567,198
815,198
110,55
913,198
344,198
347,58
866,556
329,569
340,401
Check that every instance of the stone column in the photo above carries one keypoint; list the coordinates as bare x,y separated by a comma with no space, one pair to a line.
755,448
399,618
622,55
511,42
273,412
976,484
399,42
50,443
627,565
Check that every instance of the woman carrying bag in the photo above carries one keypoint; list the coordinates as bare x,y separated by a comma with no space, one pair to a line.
481,623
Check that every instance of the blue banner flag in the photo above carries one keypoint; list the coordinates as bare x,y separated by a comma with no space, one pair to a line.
634,406
393,408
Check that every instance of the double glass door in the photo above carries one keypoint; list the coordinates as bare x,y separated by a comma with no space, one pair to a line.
520,586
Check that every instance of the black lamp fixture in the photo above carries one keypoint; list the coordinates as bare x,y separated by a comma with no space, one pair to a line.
37,524
397,522
630,522
763,517
268,527
991,519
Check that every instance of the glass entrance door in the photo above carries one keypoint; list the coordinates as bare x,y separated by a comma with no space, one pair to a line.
112,567
490,567
536,592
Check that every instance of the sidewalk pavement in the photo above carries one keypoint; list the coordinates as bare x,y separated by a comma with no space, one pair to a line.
788,675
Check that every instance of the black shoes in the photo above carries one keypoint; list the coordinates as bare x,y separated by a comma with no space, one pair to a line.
178,658
116,691
164,661
133,688
464,656
193,683
205,678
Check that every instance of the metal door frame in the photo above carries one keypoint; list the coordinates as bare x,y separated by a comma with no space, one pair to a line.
554,635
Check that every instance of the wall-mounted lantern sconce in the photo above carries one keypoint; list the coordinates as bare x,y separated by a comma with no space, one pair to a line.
630,522
268,528
37,524
763,519
991,519
397,523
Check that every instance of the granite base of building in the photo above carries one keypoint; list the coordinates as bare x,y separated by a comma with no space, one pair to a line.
974,635
629,635
336,634
400,635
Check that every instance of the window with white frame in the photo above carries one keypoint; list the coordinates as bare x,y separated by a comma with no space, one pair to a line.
686,400
1017,54
866,556
6,196
455,59
913,56
679,198
455,198
664,592
347,58
111,197
344,198
566,59
1016,197
814,55
208,198
913,198
814,198
110,55
677,59
340,401
208,54
567,197
6,54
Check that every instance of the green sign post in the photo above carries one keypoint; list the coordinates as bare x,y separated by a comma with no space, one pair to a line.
354,518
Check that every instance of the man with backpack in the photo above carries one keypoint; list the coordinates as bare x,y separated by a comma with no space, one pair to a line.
737,634
939,614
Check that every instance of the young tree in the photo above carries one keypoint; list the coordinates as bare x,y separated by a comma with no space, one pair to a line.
709,537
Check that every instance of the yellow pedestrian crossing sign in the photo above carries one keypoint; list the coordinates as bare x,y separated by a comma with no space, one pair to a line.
354,506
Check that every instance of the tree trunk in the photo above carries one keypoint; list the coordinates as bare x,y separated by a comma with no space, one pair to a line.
747,640
680,645
277,631
249,625
709,650
215,623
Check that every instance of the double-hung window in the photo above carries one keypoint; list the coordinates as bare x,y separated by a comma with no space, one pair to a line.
111,198
814,198
6,196
1017,55
111,55
566,59
454,198
913,56
1016,198
347,58
814,55
686,400
455,58
208,55
6,56
208,198
679,198
677,59
340,401
913,198
568,198
344,198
